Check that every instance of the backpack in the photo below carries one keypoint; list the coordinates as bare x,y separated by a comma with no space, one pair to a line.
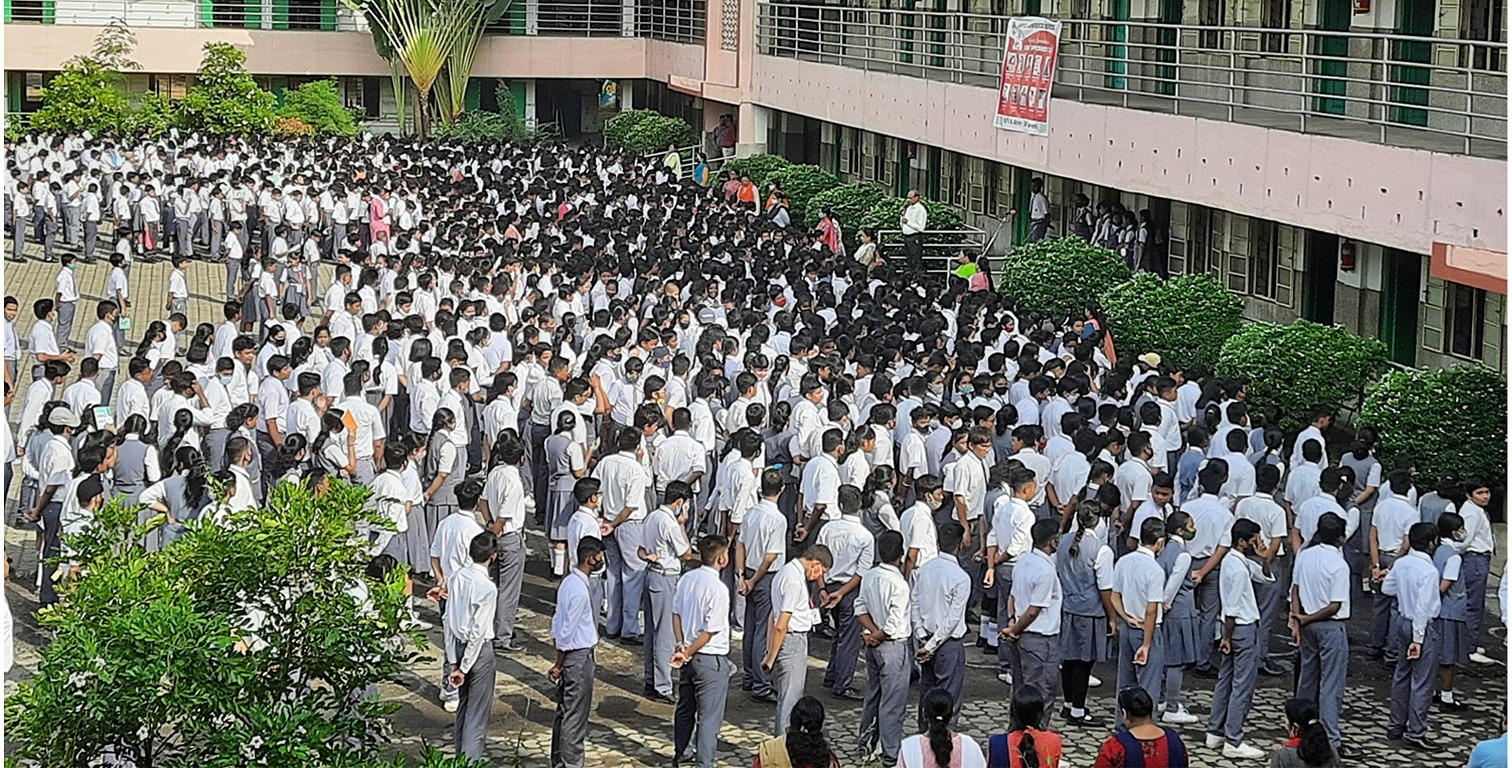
1134,753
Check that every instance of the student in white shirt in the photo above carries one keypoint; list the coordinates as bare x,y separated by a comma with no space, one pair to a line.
701,627
469,623
793,616
1239,644
574,632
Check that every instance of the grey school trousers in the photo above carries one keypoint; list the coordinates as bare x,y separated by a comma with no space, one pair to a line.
1036,661
475,703
886,705
789,672
1236,684
509,572
1323,661
656,603
574,699
703,688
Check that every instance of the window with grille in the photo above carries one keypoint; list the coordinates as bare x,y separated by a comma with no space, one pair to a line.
1465,321
1263,261
1212,13
171,87
1484,20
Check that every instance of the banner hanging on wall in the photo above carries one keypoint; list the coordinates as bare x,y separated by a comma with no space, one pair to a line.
1028,72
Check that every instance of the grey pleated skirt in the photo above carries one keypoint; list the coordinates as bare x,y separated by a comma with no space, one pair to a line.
559,507
417,541
1455,642
1083,638
1183,640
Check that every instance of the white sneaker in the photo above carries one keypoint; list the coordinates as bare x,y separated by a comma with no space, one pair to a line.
450,705
1006,677
1093,682
1179,717
1480,658
736,633
1242,752
417,624
1214,741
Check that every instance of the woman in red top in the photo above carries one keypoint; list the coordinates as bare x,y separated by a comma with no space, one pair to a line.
1144,744
1027,747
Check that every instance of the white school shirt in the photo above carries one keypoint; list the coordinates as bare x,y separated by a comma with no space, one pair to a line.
1139,581
1237,576
471,605
851,544
453,538
389,499
941,593
505,494
1214,524
919,533
131,400
65,286
702,602
1322,576
1311,511
573,623
1391,519
1012,520
790,594
1478,538
1414,582
1036,584
178,285
885,596
100,342
1267,514
764,532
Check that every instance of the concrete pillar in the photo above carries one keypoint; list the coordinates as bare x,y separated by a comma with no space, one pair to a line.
532,17
627,18
754,122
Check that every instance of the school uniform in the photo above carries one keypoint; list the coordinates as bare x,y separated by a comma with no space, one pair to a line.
1455,642
884,595
1391,520
1012,520
702,604
574,632
1211,515
1322,576
1475,554
1181,627
1036,654
468,627
624,485
854,550
67,289
1139,581
941,592
763,532
505,494
1414,582
664,537
1237,575
790,595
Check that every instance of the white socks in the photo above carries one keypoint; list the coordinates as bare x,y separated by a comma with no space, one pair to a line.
1447,697
559,561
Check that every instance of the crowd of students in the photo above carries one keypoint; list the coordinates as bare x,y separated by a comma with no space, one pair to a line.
724,428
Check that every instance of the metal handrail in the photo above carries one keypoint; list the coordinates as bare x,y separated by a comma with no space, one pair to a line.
681,21
939,244
1353,84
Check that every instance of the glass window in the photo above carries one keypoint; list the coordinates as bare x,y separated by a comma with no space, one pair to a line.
1466,335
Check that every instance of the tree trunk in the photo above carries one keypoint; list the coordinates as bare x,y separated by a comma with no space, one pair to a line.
422,113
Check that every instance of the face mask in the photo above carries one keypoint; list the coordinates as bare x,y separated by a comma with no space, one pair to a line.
967,389
1189,535
225,380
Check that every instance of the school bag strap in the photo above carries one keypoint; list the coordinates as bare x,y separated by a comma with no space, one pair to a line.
997,750
1175,747
1133,750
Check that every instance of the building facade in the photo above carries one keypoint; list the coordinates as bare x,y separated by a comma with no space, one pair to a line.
1338,160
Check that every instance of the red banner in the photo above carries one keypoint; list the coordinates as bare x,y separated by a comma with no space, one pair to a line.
1028,72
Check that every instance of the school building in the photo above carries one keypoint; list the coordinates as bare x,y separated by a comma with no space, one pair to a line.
1339,160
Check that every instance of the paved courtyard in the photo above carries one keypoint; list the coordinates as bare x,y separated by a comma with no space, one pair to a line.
629,731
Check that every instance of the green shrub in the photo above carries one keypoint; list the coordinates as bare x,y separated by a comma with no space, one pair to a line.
1450,422
153,114
319,105
239,643
647,131
884,214
849,204
84,96
476,125
1059,277
1186,318
759,167
1297,366
802,183
224,98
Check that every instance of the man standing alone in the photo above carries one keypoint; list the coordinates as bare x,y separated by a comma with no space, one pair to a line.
913,222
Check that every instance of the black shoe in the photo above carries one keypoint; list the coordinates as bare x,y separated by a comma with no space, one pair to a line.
629,640
765,697
1390,736
1347,752
611,636
824,631
655,695
1452,706
1085,719
1272,669
509,647
849,694
1424,744
1206,671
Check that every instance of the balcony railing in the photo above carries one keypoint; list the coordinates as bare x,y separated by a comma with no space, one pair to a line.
1428,93
673,20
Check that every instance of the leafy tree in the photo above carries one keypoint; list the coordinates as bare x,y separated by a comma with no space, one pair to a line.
242,643
1291,368
759,167
1059,278
319,105
153,114
1186,318
224,98
647,131
849,203
88,94
1451,422
802,183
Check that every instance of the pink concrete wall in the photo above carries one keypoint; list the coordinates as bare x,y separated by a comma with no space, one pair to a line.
271,52
1400,198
